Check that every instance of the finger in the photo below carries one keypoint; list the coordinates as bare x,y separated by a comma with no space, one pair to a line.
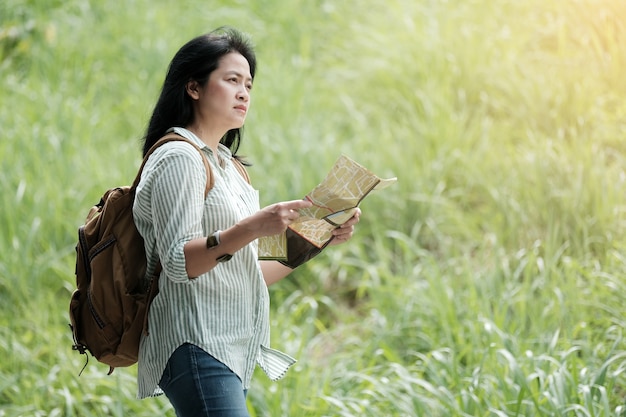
296,204
293,215
352,221
349,223
342,232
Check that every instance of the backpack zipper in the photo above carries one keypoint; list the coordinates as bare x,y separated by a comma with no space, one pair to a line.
102,246
82,241
96,250
94,313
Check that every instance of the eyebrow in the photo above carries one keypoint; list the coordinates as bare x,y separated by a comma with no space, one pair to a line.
238,74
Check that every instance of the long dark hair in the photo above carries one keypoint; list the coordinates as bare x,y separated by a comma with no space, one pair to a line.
195,61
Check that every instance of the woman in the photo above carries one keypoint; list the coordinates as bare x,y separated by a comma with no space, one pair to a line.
208,326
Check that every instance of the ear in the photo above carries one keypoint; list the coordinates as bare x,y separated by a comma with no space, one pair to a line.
193,89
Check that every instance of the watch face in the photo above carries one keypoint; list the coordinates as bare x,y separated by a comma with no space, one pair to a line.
211,242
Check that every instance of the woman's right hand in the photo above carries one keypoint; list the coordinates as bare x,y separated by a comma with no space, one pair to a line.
271,220
274,219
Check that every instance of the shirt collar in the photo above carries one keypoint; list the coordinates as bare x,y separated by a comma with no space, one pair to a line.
188,134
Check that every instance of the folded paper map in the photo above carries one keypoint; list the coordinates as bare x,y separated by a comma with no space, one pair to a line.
334,202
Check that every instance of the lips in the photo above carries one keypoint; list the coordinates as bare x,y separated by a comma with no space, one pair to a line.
242,108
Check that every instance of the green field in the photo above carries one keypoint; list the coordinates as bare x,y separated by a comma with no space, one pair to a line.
488,281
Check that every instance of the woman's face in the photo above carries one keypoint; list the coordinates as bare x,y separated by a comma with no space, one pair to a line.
224,100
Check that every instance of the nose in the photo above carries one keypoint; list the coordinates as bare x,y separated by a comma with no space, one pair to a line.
243,94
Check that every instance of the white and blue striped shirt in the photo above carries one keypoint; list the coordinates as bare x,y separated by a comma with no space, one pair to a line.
224,311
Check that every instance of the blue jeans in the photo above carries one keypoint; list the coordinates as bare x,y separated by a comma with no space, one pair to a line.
198,385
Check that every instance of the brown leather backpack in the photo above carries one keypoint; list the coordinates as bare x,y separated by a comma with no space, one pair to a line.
109,308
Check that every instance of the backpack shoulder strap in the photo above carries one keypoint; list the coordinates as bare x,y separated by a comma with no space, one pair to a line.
241,168
172,137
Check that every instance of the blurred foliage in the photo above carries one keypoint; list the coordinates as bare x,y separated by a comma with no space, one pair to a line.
487,281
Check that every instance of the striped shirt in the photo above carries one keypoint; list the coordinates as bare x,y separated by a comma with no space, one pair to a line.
224,311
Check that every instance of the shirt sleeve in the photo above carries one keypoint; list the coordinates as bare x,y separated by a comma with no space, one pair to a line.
177,205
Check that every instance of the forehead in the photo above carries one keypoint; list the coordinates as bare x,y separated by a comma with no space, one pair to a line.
234,62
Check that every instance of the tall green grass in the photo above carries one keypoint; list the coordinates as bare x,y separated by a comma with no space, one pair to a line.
488,281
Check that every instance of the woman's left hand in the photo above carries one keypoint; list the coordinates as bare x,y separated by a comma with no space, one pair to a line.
344,232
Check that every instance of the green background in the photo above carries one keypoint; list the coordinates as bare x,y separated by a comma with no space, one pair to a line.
488,281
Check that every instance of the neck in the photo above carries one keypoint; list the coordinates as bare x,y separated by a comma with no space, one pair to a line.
208,136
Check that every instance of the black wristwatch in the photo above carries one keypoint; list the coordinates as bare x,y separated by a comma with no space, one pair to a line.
213,241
